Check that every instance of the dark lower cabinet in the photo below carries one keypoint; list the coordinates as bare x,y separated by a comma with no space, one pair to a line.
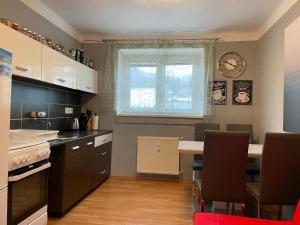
102,163
76,169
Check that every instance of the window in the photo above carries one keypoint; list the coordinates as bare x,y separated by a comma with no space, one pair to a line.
161,82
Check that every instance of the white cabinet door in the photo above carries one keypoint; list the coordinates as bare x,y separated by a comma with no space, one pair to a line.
58,69
27,61
87,79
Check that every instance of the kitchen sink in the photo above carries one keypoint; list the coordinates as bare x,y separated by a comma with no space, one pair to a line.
65,136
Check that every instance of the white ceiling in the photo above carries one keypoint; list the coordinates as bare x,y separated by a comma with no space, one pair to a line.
133,18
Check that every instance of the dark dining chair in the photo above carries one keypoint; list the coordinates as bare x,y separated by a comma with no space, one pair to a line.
280,172
253,165
200,129
224,168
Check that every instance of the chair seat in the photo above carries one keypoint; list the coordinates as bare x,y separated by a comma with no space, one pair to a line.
253,189
218,219
197,164
253,169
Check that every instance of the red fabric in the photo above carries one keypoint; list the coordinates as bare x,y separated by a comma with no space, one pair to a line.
217,219
297,214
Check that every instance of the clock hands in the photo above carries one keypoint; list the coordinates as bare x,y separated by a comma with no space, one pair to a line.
231,64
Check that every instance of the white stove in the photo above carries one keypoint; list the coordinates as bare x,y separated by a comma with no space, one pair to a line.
28,166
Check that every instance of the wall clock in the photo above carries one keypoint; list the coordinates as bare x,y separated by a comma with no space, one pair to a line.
231,65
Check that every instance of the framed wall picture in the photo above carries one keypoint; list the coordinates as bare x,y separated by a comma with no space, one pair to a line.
242,92
219,92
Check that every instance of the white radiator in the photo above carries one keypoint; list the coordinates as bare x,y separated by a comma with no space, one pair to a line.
158,155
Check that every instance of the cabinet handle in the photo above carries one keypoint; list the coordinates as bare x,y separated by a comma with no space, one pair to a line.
104,153
90,143
103,172
61,80
22,68
88,87
75,147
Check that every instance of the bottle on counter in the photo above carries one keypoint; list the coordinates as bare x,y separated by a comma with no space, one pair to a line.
95,122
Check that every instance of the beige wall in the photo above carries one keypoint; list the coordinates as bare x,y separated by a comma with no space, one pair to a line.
126,130
270,75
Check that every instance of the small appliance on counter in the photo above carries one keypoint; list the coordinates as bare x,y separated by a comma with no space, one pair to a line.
83,121
75,124
89,123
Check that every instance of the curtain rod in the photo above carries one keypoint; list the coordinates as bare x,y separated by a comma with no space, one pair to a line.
151,40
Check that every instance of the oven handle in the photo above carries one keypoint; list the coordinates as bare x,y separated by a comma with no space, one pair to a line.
28,173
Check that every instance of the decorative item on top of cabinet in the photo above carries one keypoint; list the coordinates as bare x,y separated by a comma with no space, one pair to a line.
231,65
242,92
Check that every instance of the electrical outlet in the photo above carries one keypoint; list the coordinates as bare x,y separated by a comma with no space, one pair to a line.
68,111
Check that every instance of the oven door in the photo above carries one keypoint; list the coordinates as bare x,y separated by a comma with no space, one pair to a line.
27,191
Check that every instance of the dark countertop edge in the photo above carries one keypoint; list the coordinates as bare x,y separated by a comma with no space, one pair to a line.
82,135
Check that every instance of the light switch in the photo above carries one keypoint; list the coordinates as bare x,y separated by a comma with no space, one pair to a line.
68,110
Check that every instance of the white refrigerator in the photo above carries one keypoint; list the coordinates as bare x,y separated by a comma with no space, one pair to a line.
5,97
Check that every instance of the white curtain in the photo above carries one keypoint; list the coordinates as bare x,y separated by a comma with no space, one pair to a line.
160,78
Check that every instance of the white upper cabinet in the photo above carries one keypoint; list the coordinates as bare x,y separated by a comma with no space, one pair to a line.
58,69
26,52
87,79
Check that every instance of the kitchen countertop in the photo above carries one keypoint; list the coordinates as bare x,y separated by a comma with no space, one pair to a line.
70,136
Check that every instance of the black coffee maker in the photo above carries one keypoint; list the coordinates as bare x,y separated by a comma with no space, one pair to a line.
83,120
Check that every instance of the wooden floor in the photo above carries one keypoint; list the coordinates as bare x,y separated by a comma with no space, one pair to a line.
127,201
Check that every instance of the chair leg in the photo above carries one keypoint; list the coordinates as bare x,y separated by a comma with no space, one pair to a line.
232,208
193,183
279,212
228,207
202,206
196,200
260,210
243,210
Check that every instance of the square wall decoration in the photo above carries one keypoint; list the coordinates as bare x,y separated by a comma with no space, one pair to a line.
219,92
242,92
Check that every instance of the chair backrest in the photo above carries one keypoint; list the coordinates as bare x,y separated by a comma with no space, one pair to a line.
280,169
242,128
224,166
200,129
296,218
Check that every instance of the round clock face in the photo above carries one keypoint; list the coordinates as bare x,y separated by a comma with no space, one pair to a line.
231,65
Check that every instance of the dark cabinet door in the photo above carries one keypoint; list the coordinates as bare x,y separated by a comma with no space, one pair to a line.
87,165
72,174
102,163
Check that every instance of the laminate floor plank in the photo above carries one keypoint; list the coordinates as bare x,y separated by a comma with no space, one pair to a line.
130,201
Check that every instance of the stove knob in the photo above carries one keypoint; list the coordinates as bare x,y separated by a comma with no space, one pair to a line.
40,155
17,161
23,159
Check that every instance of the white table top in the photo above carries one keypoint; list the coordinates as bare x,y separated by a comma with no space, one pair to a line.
196,147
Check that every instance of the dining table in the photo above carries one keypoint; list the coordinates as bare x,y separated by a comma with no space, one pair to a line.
197,147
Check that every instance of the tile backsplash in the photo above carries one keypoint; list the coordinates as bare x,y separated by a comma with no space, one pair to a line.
27,98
